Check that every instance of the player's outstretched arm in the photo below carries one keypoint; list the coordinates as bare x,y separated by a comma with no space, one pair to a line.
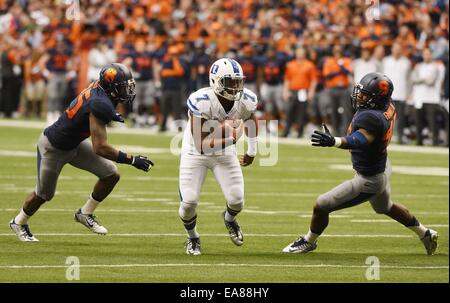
103,149
357,139
251,130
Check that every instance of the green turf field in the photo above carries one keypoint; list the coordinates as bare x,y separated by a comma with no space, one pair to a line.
145,240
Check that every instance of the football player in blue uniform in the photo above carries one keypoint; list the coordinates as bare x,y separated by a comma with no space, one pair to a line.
368,137
66,141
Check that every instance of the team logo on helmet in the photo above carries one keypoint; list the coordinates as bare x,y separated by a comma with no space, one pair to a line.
110,74
383,85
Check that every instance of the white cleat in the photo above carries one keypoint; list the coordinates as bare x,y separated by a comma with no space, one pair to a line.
193,246
90,222
236,235
429,240
300,246
22,231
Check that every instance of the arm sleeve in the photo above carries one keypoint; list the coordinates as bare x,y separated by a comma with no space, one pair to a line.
103,111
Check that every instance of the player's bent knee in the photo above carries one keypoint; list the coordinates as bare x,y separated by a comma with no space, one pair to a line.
236,197
45,197
322,204
382,209
187,210
189,196
113,178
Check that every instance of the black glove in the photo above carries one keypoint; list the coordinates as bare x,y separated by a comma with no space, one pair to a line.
141,162
323,138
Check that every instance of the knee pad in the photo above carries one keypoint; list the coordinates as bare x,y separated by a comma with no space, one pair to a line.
382,209
187,210
323,203
44,195
188,196
235,198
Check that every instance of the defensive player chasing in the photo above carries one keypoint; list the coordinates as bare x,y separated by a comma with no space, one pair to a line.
216,121
368,136
66,142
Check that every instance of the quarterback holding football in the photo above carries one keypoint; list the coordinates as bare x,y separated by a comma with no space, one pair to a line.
218,116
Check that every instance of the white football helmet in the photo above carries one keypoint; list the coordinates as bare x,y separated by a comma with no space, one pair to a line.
226,78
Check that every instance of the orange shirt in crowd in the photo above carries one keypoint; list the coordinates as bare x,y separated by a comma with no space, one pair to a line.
331,66
300,74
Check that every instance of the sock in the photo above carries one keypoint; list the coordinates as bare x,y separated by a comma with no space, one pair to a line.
311,237
191,227
21,218
90,206
192,233
417,227
230,214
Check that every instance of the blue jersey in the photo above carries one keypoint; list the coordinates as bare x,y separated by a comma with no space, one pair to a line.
72,127
371,159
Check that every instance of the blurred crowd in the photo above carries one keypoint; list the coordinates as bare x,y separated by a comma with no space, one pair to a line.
300,57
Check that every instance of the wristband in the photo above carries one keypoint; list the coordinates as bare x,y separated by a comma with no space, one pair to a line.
252,146
124,158
337,142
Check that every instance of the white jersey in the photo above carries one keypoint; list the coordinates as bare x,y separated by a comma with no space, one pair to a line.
204,104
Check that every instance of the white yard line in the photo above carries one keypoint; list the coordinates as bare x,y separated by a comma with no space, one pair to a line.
219,265
204,235
13,188
288,141
250,210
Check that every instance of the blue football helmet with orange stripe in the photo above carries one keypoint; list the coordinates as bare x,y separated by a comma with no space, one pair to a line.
118,82
374,91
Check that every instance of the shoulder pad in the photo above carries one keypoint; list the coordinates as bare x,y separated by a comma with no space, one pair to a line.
369,120
103,110
250,100
199,103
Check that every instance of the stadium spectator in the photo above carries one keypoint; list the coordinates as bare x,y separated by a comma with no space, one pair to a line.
57,59
270,72
12,59
172,73
35,92
337,71
224,29
398,68
299,87
249,67
364,65
100,55
141,62
427,78
201,62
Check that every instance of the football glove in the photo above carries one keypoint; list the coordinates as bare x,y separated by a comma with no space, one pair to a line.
324,138
142,163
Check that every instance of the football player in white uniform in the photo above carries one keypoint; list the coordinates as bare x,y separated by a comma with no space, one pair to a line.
218,116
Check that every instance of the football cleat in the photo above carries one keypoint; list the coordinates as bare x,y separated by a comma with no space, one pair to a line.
192,246
300,246
234,229
429,240
23,232
90,222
